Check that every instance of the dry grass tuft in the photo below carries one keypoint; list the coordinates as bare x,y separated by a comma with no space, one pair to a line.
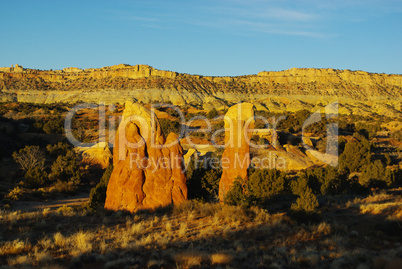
225,236
43,257
81,242
15,247
228,213
261,215
221,258
137,228
380,197
66,211
183,229
46,212
168,226
390,209
190,259
23,260
60,240
323,228
46,243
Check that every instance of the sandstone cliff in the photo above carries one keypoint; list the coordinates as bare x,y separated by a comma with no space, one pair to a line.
146,84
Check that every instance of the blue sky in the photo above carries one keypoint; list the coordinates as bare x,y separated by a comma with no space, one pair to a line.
220,37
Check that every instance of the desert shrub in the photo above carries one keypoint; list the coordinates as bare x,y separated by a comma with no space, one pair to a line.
239,194
260,186
36,177
54,126
66,168
369,130
334,182
299,185
15,194
330,145
327,181
97,195
30,157
376,174
169,126
345,125
263,183
307,179
307,202
64,187
189,116
58,149
294,122
202,183
212,113
50,125
355,156
210,183
66,211
190,168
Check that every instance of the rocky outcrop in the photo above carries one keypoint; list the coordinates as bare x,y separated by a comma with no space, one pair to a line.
98,154
191,155
148,170
236,156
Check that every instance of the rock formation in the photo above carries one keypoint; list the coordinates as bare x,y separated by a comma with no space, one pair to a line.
148,170
115,83
236,156
357,92
98,154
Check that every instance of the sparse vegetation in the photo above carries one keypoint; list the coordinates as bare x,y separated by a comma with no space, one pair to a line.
216,235
324,217
264,183
376,175
169,126
30,157
213,113
239,194
306,203
97,196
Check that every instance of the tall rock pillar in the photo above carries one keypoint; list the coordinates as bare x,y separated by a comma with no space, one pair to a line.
239,123
148,171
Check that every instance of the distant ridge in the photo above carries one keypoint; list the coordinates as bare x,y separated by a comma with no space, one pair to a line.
125,81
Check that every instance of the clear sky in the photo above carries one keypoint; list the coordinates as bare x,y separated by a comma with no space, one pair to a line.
205,37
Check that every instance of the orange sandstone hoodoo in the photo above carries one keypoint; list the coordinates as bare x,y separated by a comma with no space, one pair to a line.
239,124
148,171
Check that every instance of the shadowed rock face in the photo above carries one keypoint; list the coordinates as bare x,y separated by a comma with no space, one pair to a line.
236,156
148,171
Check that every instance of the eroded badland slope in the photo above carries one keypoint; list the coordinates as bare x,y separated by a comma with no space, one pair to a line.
292,89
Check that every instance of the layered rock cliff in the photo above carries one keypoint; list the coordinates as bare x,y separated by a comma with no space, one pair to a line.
146,84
